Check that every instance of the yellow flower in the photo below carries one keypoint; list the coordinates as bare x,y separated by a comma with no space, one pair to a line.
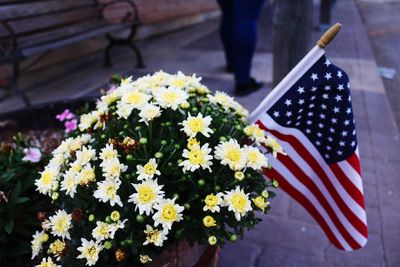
192,141
199,124
120,255
238,202
197,157
274,146
145,259
230,153
45,237
185,105
260,203
115,216
209,221
148,170
167,213
148,193
239,176
213,202
212,240
58,247
255,133
47,263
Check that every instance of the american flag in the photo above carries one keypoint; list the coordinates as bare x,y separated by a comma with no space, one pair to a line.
313,120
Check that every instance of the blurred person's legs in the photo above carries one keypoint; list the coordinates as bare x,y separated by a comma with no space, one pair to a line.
226,31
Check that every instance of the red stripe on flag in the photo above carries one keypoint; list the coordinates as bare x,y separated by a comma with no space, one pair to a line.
348,186
304,179
354,161
299,197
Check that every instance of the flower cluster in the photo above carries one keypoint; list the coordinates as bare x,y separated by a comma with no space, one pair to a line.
159,160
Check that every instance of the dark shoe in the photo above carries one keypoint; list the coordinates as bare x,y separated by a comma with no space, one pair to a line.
248,88
229,69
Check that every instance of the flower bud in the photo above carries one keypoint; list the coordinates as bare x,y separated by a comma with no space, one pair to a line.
158,155
140,218
212,240
129,157
239,176
115,216
55,196
201,182
107,245
143,140
108,219
209,221
233,238
91,217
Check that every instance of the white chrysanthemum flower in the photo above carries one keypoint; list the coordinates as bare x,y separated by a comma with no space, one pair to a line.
149,112
199,124
113,169
238,202
155,236
86,175
197,157
89,251
124,110
48,178
148,193
37,243
182,81
240,110
114,227
255,159
57,161
63,148
148,170
171,97
102,231
274,145
222,99
255,133
167,213
213,202
60,224
231,154
108,153
85,155
107,192
77,143
107,100
69,183
48,262
87,120
135,99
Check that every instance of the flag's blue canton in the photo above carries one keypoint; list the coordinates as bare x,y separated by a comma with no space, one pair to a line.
319,105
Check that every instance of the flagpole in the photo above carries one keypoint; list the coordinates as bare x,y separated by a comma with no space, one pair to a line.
296,72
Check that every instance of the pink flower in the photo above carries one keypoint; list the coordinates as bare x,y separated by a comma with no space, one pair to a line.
32,154
70,125
65,115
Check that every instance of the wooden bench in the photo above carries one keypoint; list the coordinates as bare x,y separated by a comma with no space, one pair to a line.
31,27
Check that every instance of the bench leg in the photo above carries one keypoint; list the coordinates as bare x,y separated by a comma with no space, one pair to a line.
138,54
14,84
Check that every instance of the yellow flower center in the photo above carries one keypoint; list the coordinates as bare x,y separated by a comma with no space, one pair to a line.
76,167
92,251
61,225
169,213
150,169
146,194
109,154
134,98
209,221
47,177
110,191
153,235
57,247
252,156
239,202
178,82
103,230
196,156
88,175
211,200
234,155
171,97
114,170
192,142
196,124
115,216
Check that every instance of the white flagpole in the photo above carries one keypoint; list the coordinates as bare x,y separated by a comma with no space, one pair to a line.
295,74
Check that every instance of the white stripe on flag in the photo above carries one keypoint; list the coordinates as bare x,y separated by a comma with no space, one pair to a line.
351,203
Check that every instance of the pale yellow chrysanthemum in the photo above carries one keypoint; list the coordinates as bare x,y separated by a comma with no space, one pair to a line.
48,178
238,202
213,202
144,259
86,175
148,193
57,161
69,183
170,97
255,159
124,110
87,120
209,221
222,99
60,224
57,248
192,141
37,243
107,100
89,251
255,133
149,112
102,231
240,110
107,192
274,145
135,98
108,153
85,155
48,262
112,169
199,124
167,213
149,170
260,203
63,148
230,153
182,81
197,157
155,236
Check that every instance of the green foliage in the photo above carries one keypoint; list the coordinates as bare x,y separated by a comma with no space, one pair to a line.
18,200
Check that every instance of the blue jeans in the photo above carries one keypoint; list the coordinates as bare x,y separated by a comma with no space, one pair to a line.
238,31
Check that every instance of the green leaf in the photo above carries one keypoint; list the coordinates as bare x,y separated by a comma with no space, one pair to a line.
21,200
8,226
15,194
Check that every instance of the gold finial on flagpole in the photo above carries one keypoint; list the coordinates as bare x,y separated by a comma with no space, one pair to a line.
328,36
